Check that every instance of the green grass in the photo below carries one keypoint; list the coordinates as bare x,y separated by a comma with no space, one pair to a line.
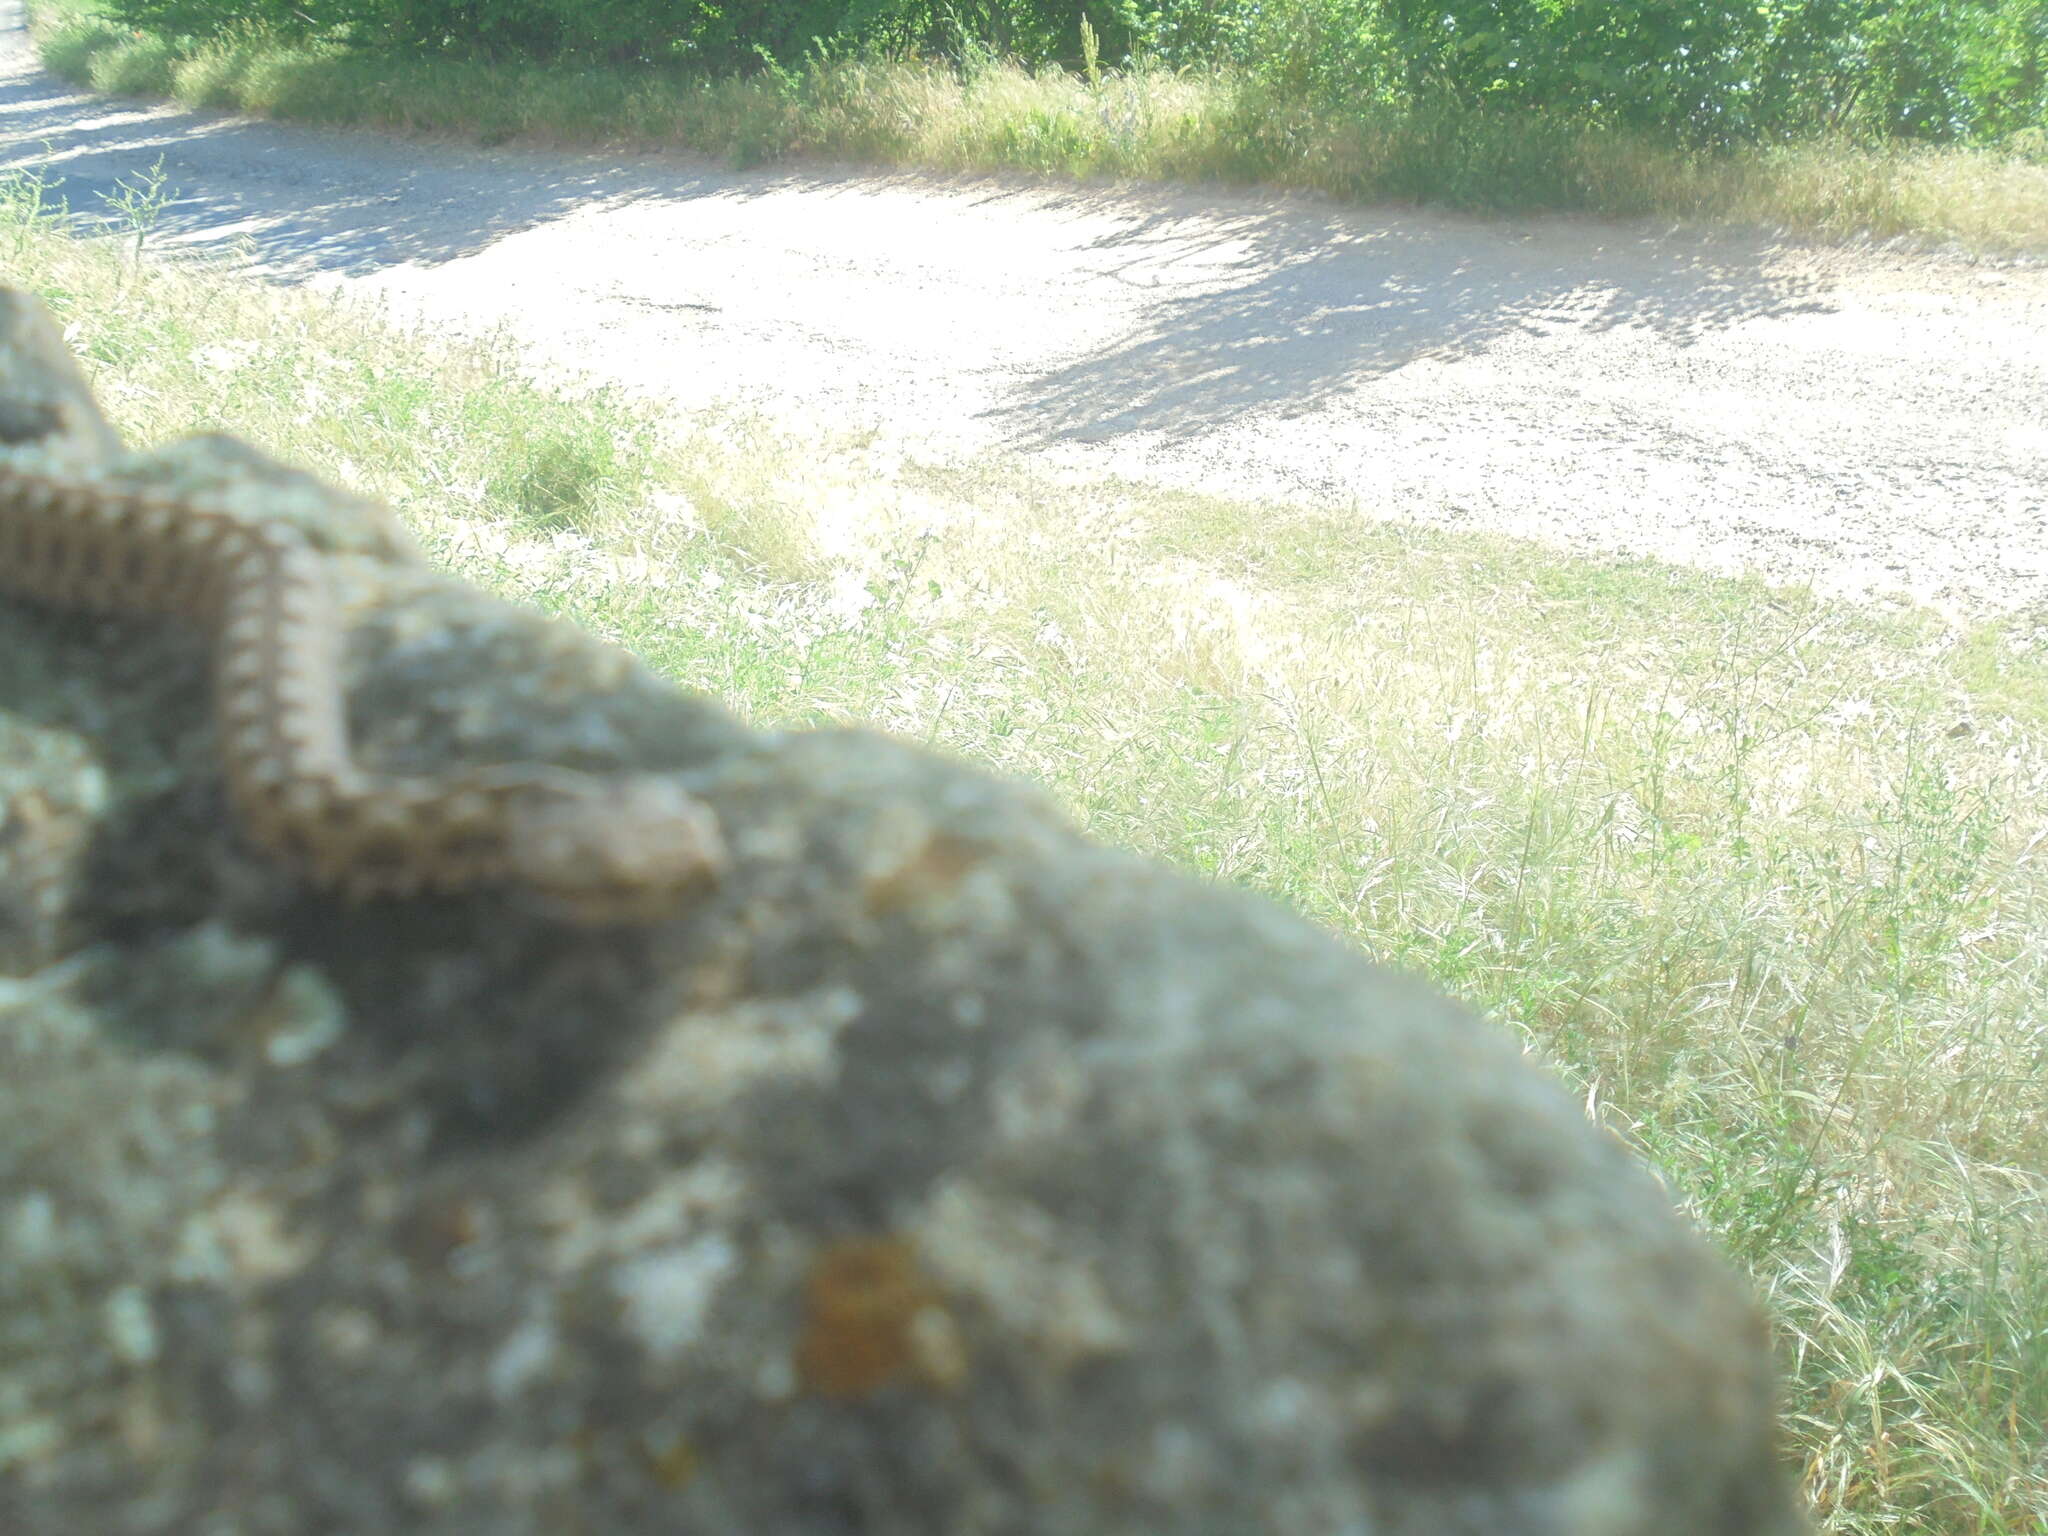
1766,875
1144,123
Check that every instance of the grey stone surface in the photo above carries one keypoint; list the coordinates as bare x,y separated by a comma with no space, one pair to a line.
939,1171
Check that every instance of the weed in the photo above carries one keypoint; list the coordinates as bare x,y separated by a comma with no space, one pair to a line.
139,198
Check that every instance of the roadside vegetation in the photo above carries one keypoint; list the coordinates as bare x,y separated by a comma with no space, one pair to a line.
1765,875
1838,117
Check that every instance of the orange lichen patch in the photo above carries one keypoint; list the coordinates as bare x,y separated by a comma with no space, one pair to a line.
870,1313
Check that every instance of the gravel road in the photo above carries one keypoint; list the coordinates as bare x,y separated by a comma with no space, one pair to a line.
1873,421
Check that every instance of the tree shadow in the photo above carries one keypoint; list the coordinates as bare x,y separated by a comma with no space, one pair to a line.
1279,310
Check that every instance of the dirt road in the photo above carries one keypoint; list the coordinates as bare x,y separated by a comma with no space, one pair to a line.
1874,422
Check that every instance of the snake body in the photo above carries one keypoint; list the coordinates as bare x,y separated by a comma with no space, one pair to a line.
595,847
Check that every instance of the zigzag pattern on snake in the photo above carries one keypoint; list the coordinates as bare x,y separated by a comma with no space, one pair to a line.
597,847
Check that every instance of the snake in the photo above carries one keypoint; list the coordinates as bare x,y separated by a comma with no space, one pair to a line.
592,847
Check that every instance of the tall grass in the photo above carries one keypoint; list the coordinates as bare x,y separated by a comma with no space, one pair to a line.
1147,123
1767,876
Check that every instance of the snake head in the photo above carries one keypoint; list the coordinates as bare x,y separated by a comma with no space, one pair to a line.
599,849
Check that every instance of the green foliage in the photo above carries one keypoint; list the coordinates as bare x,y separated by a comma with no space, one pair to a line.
1707,70
1711,69
718,34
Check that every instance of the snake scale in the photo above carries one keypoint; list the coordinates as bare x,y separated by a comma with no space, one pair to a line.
595,847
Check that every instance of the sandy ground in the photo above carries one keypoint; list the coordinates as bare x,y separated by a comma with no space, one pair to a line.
1875,422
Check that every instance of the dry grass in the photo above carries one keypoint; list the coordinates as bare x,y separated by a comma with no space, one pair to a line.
1767,876
1977,198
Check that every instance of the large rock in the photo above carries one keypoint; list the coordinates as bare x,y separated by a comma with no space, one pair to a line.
937,1171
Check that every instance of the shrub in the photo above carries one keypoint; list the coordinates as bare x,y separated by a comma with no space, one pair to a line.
1705,70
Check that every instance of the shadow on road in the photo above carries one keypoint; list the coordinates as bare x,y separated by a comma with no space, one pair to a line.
1316,302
